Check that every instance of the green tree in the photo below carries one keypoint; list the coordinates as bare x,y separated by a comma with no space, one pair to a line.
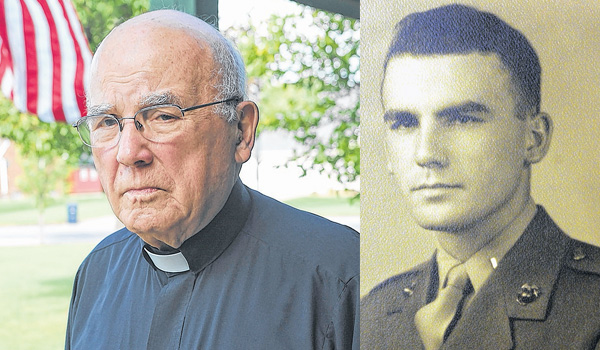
98,18
304,69
49,151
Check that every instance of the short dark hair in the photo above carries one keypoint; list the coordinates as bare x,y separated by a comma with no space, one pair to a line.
460,29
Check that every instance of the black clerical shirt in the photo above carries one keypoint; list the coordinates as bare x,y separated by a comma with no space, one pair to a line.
262,276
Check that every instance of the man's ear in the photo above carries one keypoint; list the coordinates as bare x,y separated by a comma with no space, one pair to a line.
540,128
247,121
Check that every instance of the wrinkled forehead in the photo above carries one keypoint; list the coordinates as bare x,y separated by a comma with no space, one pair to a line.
135,45
153,56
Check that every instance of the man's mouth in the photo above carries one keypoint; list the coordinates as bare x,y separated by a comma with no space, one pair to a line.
434,186
141,191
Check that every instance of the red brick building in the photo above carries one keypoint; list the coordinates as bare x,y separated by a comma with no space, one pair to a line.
84,179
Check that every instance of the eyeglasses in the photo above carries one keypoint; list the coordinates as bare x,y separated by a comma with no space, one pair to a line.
158,123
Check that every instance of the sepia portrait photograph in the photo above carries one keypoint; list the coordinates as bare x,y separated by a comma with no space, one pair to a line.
479,189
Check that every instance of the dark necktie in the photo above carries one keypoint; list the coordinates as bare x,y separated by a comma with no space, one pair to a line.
433,319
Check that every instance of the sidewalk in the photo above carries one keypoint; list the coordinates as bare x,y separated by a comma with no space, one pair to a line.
88,231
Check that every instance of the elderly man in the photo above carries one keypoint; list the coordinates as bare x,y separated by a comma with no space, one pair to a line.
461,99
204,262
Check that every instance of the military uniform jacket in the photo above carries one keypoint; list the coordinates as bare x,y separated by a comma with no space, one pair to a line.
504,314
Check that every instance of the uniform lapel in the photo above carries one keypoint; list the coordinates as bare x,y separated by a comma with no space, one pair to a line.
485,324
412,295
532,263
537,260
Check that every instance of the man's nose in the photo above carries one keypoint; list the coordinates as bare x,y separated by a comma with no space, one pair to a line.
133,147
429,150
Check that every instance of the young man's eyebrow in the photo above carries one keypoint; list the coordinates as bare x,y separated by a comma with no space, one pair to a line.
467,107
394,114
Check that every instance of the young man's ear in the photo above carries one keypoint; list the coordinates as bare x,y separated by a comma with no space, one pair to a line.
540,128
247,121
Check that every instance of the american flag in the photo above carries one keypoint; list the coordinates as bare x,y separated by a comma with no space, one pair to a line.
44,57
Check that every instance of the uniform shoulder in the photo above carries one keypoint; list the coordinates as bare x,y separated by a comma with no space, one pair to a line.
391,295
402,281
583,257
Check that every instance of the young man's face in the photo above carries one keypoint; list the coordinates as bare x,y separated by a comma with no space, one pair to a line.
454,142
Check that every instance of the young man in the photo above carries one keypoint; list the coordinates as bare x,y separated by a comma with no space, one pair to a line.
461,99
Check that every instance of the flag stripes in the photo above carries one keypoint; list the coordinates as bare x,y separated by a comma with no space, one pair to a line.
44,57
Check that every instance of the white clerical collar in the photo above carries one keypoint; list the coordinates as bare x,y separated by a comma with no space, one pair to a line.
169,263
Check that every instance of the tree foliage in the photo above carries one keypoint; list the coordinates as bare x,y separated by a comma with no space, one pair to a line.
49,151
98,18
304,70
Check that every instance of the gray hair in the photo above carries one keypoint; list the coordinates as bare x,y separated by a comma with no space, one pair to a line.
231,73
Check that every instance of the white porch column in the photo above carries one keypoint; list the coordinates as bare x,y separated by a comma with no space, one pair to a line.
4,144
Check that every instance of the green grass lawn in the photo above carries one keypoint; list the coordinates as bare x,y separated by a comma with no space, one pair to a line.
35,289
327,206
23,211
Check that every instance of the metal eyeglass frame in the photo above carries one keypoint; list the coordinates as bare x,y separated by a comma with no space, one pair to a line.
139,125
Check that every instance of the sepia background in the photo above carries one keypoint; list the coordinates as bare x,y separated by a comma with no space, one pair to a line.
565,36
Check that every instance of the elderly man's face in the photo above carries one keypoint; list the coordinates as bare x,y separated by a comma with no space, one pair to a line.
165,192
454,142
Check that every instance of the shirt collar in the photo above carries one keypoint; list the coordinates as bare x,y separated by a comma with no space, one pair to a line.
481,264
173,262
208,244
